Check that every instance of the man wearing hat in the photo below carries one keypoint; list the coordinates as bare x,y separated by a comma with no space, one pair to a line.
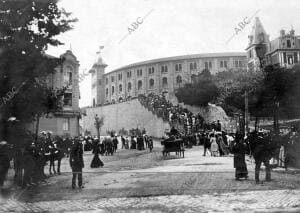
4,163
76,163
262,154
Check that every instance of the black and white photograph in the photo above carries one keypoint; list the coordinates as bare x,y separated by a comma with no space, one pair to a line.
149,106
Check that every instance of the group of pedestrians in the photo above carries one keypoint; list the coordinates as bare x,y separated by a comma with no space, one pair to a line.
99,148
217,143
140,142
222,144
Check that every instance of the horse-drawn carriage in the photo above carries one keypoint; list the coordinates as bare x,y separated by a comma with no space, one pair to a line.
173,145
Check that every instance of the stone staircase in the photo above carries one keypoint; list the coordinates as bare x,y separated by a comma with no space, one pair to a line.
165,117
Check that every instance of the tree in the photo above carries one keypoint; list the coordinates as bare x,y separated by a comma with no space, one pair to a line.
27,28
233,86
273,92
291,100
200,92
98,124
276,89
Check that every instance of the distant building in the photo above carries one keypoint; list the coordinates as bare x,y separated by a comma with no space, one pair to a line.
66,122
283,51
158,75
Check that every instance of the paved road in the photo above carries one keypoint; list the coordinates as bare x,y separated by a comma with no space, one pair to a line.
253,201
139,181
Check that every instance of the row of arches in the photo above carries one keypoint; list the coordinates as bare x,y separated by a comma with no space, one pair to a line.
140,85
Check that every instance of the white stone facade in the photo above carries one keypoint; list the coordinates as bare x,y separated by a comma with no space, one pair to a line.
158,75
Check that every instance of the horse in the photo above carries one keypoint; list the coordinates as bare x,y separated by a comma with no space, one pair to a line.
54,154
263,145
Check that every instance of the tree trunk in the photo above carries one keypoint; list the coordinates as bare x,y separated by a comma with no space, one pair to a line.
98,133
37,127
256,123
275,117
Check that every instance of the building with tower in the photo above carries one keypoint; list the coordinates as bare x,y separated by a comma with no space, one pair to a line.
97,76
163,75
257,47
66,122
283,51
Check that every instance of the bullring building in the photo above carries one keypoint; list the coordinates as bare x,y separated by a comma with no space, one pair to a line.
163,75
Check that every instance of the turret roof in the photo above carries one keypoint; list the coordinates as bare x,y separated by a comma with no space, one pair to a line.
258,34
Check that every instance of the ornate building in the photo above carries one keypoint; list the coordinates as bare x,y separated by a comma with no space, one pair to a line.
65,123
283,51
158,75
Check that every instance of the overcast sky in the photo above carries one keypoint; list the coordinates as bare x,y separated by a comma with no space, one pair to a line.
172,27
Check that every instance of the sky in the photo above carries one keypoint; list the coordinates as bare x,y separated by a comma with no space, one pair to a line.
167,28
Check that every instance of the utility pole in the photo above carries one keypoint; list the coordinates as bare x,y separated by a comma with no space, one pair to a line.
246,112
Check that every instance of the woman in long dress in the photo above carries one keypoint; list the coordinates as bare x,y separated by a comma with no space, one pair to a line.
133,142
239,150
214,148
96,162
222,145
126,143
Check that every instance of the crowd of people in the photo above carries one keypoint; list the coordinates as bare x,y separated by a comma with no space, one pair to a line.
30,161
262,146
108,145
176,115
159,105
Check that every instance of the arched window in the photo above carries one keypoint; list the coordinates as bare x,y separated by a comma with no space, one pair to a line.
120,88
106,92
129,87
151,83
165,81
178,79
140,84
176,67
191,66
112,90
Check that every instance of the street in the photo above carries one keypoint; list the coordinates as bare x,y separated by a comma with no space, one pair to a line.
140,181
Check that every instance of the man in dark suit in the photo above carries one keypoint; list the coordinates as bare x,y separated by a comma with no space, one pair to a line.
218,126
115,143
261,154
76,163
